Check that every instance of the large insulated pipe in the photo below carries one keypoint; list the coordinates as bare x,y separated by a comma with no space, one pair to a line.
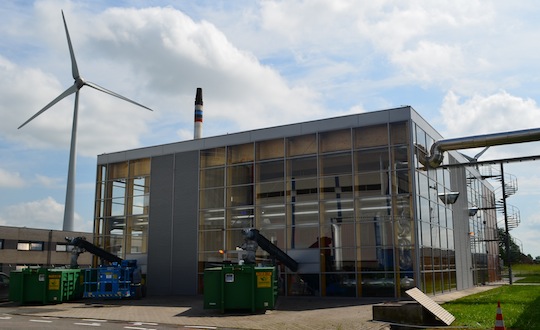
438,148
197,129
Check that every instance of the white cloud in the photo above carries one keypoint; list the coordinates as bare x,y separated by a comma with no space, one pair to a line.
10,179
49,181
44,214
479,114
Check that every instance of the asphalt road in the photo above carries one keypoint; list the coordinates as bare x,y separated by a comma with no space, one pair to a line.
10,321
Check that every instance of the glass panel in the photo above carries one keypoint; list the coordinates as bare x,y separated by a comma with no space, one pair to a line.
334,141
275,236
423,186
372,184
139,235
212,219
241,217
405,257
335,164
235,238
302,167
373,208
372,160
213,177
240,195
444,238
240,174
211,241
428,282
270,149
303,285
36,246
371,136
437,281
212,157
338,234
139,167
341,210
304,213
399,133
212,198
424,211
376,233
117,206
420,137
139,205
435,236
303,190
404,231
270,171
406,282
23,246
402,182
340,285
301,145
426,233
377,285
450,239
118,170
271,216
400,157
337,187
240,153
427,258
119,188
271,193
302,237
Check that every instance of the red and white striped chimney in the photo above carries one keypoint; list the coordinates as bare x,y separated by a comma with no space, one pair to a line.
197,129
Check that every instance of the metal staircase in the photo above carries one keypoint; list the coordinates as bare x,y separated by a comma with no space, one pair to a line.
510,188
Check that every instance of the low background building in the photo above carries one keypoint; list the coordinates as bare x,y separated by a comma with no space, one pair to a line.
24,247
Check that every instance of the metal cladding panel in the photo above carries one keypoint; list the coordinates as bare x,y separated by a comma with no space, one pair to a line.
321,125
462,244
159,276
184,226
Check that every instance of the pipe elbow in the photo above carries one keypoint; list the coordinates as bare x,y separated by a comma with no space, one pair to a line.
436,156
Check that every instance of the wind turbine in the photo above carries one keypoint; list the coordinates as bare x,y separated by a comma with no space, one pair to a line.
77,85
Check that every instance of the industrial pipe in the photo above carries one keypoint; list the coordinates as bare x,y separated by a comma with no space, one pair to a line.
438,148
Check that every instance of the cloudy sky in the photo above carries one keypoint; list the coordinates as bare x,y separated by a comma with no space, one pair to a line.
466,66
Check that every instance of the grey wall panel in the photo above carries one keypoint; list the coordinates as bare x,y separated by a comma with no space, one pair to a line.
184,229
159,276
462,242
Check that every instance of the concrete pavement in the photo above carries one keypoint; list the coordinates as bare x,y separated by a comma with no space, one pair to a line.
296,313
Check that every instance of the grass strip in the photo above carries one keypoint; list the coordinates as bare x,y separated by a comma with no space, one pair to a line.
520,306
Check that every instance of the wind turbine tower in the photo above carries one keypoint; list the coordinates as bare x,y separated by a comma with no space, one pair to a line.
79,82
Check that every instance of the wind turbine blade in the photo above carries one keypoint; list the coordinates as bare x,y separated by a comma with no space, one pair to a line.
74,68
104,90
67,92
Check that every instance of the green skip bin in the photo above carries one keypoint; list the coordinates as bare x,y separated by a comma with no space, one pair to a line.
240,287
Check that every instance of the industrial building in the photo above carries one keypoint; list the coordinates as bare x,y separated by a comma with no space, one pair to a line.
351,199
22,247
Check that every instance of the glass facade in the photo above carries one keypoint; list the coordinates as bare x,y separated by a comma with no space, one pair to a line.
483,232
121,214
342,197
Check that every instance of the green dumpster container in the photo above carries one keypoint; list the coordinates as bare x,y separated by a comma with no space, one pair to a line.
240,287
28,285
44,286
63,285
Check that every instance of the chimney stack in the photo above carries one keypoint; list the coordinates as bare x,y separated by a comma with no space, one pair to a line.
197,130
